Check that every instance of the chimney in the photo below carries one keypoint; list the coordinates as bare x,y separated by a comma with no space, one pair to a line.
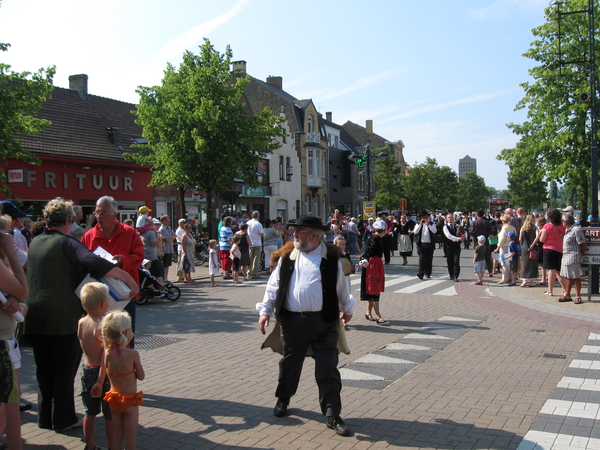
240,66
328,116
369,127
276,82
79,83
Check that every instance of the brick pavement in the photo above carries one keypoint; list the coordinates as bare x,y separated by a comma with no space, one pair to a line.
209,386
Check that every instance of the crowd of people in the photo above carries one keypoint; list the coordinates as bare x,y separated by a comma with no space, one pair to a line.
308,291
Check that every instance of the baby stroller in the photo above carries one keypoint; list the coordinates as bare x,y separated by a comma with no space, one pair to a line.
150,287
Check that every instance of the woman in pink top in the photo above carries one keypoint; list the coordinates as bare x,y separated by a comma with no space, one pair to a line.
552,237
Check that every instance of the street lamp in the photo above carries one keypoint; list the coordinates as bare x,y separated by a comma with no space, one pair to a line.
364,156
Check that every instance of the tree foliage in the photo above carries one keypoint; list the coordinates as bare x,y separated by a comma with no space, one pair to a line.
555,138
199,135
429,186
22,94
472,193
389,177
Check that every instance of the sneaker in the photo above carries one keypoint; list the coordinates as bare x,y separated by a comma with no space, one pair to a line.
337,424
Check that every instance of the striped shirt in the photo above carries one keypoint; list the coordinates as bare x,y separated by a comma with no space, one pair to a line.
571,249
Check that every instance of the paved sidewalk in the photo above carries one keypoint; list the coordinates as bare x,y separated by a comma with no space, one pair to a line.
460,367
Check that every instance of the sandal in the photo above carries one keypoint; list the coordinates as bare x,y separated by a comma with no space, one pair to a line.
541,283
380,320
548,293
369,317
565,299
577,300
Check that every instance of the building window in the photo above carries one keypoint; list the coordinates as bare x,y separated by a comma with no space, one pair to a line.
289,170
361,181
309,123
310,155
281,169
306,203
323,173
316,205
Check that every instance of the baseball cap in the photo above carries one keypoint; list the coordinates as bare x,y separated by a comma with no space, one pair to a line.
511,235
144,209
11,210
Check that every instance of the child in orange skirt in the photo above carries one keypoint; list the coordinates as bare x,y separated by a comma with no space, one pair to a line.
124,368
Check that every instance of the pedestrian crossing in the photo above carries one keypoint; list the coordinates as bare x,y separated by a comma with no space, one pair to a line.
570,418
410,284
383,367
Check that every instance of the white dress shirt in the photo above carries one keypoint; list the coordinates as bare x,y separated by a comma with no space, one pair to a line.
305,291
426,237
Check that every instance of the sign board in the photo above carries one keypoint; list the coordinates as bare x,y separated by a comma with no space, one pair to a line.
15,176
591,259
369,210
192,210
254,192
592,237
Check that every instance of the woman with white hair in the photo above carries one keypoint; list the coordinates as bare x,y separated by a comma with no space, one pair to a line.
372,279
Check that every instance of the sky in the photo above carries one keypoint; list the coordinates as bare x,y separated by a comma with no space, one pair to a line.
441,76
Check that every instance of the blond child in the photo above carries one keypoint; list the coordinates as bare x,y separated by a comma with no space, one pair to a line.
124,368
235,254
213,261
479,259
94,384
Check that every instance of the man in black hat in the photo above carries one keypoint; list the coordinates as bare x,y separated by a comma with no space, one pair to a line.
306,291
425,241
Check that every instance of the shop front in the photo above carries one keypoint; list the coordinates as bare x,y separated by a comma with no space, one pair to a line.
82,181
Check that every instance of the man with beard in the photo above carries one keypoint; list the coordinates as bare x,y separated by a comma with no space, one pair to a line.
306,291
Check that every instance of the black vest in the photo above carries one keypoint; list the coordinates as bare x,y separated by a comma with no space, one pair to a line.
329,273
448,241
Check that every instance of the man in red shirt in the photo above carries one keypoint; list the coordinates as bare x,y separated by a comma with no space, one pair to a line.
121,241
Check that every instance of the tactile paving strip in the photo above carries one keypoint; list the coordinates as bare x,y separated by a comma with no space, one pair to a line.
382,367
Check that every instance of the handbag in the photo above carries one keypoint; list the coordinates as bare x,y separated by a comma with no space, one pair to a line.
533,254
187,267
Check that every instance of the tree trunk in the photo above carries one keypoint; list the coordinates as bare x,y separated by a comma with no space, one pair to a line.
209,215
182,201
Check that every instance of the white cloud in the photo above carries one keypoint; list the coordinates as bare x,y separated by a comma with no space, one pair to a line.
175,47
507,8
439,106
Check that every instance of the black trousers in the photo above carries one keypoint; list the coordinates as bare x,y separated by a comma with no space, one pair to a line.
387,248
425,252
453,259
57,360
297,334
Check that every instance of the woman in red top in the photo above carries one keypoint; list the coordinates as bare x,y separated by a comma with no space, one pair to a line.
552,237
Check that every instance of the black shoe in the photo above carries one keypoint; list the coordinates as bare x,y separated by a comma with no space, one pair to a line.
280,409
337,424
420,275
456,280
428,276
24,406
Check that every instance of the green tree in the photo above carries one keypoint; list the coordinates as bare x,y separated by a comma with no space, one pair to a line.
472,192
389,177
526,180
22,94
199,135
555,137
429,186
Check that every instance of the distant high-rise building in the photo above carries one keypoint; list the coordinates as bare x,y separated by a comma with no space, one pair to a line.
467,164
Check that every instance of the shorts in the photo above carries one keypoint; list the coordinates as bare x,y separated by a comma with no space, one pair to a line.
93,405
9,388
120,402
167,259
157,269
14,352
236,264
479,266
552,259
514,266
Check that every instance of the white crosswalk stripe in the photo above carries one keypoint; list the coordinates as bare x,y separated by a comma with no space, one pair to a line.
410,284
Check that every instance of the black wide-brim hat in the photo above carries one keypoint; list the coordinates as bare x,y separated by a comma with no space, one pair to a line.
423,213
308,221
